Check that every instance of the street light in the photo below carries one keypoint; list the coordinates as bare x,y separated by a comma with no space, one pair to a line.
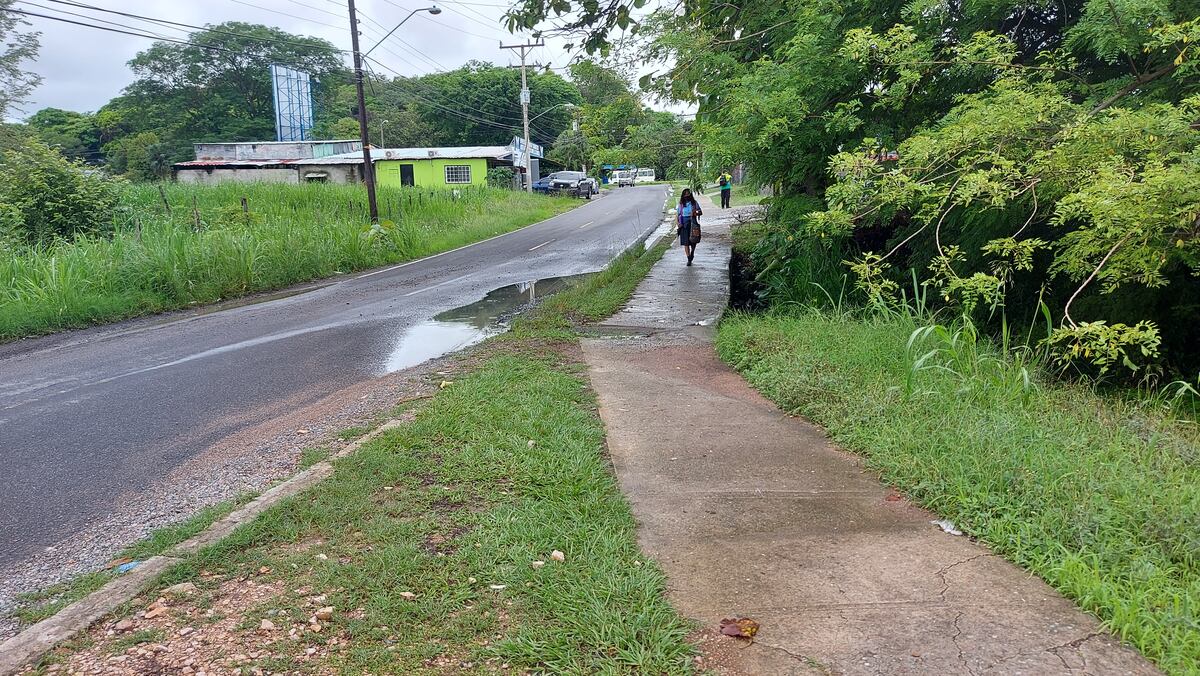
435,10
381,123
569,105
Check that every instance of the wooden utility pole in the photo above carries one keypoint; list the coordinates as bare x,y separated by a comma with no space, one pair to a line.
524,50
368,166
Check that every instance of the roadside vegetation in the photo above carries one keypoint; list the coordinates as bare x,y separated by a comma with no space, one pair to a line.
171,246
433,546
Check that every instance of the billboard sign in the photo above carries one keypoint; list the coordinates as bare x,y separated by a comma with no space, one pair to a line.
292,91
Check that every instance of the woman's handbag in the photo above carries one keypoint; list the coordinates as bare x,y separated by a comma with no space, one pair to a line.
694,235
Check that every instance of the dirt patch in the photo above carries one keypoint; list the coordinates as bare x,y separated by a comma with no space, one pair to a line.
229,628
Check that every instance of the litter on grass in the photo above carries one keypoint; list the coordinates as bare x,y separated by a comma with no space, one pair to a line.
947,525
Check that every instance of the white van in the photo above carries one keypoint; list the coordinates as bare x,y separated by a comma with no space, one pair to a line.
623,177
645,175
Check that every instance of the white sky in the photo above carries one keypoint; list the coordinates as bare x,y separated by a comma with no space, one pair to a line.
83,68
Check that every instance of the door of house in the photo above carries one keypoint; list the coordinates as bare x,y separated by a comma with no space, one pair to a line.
406,174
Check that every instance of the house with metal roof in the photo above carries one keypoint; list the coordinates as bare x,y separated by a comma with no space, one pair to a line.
447,167
421,167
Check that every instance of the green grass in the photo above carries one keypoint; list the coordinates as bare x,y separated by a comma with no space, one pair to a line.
460,493
744,195
34,607
155,261
1101,498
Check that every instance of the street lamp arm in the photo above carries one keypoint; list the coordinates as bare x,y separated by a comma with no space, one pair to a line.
435,10
550,109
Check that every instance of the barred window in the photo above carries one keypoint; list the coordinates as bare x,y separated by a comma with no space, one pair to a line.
458,173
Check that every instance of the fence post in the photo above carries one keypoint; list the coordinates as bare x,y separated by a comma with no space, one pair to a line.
163,194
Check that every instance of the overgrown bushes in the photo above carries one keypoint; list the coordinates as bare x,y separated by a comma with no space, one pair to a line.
44,196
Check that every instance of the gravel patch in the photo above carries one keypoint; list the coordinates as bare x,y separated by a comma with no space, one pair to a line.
246,462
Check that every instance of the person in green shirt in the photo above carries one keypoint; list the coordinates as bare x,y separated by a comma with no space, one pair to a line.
725,181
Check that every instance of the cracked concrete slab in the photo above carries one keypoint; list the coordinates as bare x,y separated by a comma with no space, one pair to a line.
753,513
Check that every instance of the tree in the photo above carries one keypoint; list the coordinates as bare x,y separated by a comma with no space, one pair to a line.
76,134
571,150
16,47
1046,151
215,88
597,84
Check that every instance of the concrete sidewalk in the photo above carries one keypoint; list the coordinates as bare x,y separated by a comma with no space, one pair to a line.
753,513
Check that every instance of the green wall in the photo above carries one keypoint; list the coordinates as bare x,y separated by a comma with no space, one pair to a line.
429,173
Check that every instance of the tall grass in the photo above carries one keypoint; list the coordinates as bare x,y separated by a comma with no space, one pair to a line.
182,245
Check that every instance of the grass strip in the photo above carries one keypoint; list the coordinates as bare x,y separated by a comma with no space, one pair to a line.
426,542
190,245
1100,498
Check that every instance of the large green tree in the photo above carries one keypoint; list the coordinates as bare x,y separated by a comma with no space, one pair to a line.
77,135
1046,150
215,88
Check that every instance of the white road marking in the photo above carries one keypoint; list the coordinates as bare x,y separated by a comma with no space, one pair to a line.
431,288
541,245
586,225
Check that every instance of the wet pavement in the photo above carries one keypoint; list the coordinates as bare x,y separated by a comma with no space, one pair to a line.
465,326
753,513
91,420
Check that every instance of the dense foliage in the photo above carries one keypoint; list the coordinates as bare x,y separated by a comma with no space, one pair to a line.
44,196
1045,152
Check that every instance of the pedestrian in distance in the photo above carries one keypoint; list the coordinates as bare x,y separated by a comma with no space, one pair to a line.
726,183
688,223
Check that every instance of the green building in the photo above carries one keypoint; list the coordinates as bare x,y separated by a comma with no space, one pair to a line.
419,167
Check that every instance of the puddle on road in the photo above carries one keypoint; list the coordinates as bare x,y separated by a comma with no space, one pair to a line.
464,326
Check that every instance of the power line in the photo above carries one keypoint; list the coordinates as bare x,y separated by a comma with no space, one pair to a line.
93,18
116,30
209,29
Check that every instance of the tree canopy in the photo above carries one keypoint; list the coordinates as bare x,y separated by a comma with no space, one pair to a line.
1010,153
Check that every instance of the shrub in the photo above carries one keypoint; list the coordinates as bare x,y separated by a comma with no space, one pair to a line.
500,177
44,196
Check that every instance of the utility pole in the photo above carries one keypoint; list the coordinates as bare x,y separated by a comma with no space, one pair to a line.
524,50
368,167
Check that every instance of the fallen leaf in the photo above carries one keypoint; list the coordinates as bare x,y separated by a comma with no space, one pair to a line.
558,556
445,383
325,614
117,562
537,564
301,431
740,627
532,443
407,595
471,580
497,587
266,625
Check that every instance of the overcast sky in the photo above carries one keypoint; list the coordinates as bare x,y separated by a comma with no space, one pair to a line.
82,68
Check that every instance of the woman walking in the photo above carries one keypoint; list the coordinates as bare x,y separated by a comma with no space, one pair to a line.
686,215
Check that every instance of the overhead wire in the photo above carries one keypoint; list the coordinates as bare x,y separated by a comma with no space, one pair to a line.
211,29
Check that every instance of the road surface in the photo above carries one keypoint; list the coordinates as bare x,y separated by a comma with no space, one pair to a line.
90,418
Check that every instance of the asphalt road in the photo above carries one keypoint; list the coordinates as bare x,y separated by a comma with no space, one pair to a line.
91,417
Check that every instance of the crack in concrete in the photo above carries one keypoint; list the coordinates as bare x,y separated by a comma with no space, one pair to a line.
941,574
1074,645
958,631
804,659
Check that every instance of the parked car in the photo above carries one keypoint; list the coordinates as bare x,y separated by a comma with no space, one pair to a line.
645,175
542,184
623,177
575,183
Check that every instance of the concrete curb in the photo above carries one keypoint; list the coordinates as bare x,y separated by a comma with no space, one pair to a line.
39,639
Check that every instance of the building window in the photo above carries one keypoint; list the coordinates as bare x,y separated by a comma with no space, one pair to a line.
458,173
